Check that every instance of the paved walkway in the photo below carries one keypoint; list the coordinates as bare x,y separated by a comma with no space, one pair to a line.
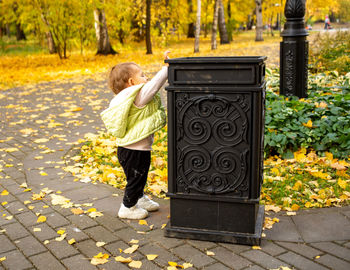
39,125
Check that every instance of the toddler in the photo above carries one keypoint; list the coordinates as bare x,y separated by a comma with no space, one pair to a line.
134,115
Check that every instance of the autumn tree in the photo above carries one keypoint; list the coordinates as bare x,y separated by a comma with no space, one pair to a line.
190,31
222,24
215,25
259,20
198,27
103,44
148,27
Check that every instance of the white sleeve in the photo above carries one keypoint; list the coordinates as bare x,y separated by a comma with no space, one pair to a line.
151,88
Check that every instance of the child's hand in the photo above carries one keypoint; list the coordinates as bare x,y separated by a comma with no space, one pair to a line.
166,55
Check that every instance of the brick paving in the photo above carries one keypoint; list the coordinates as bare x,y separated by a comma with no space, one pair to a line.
39,126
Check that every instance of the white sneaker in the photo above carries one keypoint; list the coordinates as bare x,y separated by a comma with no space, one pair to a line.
134,212
148,204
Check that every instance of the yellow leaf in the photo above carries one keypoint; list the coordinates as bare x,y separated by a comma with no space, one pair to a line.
308,124
256,247
59,239
46,242
295,207
42,173
187,265
134,241
172,263
4,203
151,257
9,217
37,230
274,208
60,232
100,244
210,253
24,185
71,241
342,183
163,226
123,260
135,264
97,261
131,249
143,222
2,259
297,186
91,210
41,140
4,193
41,219
308,204
291,213
77,211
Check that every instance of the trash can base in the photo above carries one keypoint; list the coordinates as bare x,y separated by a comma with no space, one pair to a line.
253,239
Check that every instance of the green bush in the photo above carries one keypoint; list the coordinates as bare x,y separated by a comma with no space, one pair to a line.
321,121
331,51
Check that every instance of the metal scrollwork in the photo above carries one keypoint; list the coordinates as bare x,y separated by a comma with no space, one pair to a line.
206,122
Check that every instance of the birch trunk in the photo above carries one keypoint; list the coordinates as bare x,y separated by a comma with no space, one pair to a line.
103,45
259,21
198,27
215,25
222,25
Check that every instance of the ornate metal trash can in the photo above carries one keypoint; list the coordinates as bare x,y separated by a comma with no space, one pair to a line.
215,148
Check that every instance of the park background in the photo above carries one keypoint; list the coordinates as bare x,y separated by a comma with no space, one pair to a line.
307,141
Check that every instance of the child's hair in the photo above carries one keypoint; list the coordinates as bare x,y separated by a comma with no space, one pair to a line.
119,76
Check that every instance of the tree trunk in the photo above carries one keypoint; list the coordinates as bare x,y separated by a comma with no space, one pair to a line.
259,21
198,27
215,25
148,27
49,37
103,45
222,25
7,27
19,32
190,31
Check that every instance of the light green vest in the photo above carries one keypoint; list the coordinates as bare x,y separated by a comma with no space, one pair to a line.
130,124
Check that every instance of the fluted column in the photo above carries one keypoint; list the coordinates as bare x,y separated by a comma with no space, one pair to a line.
294,51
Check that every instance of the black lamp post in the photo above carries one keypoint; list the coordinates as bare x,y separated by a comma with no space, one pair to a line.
294,51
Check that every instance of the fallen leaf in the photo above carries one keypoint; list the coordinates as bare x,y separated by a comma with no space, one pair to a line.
163,226
37,230
71,241
9,217
59,239
291,213
77,211
46,242
41,219
4,193
172,263
151,257
131,249
95,214
97,261
123,260
135,264
100,244
143,222
134,241
2,259
256,247
210,253
187,265
24,185
60,232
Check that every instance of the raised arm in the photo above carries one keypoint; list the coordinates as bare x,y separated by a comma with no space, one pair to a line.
150,88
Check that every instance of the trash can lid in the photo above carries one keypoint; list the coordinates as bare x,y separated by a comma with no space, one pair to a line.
217,59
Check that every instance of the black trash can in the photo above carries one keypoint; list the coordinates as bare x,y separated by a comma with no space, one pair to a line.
215,148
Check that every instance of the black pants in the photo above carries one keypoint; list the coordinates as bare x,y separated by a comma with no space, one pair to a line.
135,164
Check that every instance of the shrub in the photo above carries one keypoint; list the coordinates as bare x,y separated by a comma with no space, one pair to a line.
331,52
321,121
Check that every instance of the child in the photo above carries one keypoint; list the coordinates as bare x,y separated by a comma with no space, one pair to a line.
134,114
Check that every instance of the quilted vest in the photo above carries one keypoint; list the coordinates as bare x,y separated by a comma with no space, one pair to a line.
130,124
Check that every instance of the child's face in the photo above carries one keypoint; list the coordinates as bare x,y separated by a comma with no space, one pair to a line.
138,77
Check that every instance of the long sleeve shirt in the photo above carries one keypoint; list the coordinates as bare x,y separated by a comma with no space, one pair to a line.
145,95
